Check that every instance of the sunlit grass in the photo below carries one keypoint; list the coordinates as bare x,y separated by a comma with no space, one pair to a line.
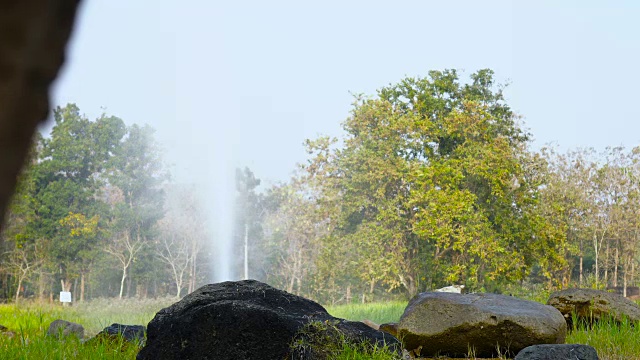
379,313
30,323
350,352
613,341
42,347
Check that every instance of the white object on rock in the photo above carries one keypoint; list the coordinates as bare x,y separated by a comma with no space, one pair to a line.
451,289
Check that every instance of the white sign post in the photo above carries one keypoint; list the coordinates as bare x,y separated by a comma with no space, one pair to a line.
65,297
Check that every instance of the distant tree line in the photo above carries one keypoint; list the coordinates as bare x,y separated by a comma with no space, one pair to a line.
433,183
90,216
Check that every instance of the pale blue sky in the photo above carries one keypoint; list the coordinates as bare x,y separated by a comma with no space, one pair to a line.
256,78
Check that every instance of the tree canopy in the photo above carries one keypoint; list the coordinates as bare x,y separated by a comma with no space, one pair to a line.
433,182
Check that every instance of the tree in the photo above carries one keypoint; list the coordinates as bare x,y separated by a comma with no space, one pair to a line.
431,176
67,179
565,181
181,236
22,262
81,231
292,226
89,186
174,251
19,257
136,171
616,187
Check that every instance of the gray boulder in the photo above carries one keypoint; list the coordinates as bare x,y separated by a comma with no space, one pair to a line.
558,352
456,324
63,328
592,305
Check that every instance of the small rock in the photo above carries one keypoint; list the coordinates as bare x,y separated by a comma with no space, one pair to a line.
558,352
63,328
119,338
132,333
390,328
6,332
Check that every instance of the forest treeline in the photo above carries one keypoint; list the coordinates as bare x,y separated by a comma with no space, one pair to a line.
434,182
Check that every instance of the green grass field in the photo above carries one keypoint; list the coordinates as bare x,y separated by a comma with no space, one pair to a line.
31,321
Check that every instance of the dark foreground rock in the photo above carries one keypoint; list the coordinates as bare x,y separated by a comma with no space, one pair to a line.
558,352
248,320
63,328
453,324
592,305
118,338
134,334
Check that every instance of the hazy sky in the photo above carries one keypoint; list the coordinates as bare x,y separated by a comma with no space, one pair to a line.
253,79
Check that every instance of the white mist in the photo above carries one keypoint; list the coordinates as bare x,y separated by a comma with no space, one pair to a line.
221,187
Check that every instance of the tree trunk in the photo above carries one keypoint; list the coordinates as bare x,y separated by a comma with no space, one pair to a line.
606,265
580,270
41,287
124,276
75,290
192,269
625,266
82,287
595,251
291,283
616,263
66,284
18,289
129,281
409,285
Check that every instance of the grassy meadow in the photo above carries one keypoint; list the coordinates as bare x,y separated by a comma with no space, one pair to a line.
30,321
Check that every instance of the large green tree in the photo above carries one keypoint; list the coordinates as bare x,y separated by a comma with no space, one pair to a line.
68,178
428,186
